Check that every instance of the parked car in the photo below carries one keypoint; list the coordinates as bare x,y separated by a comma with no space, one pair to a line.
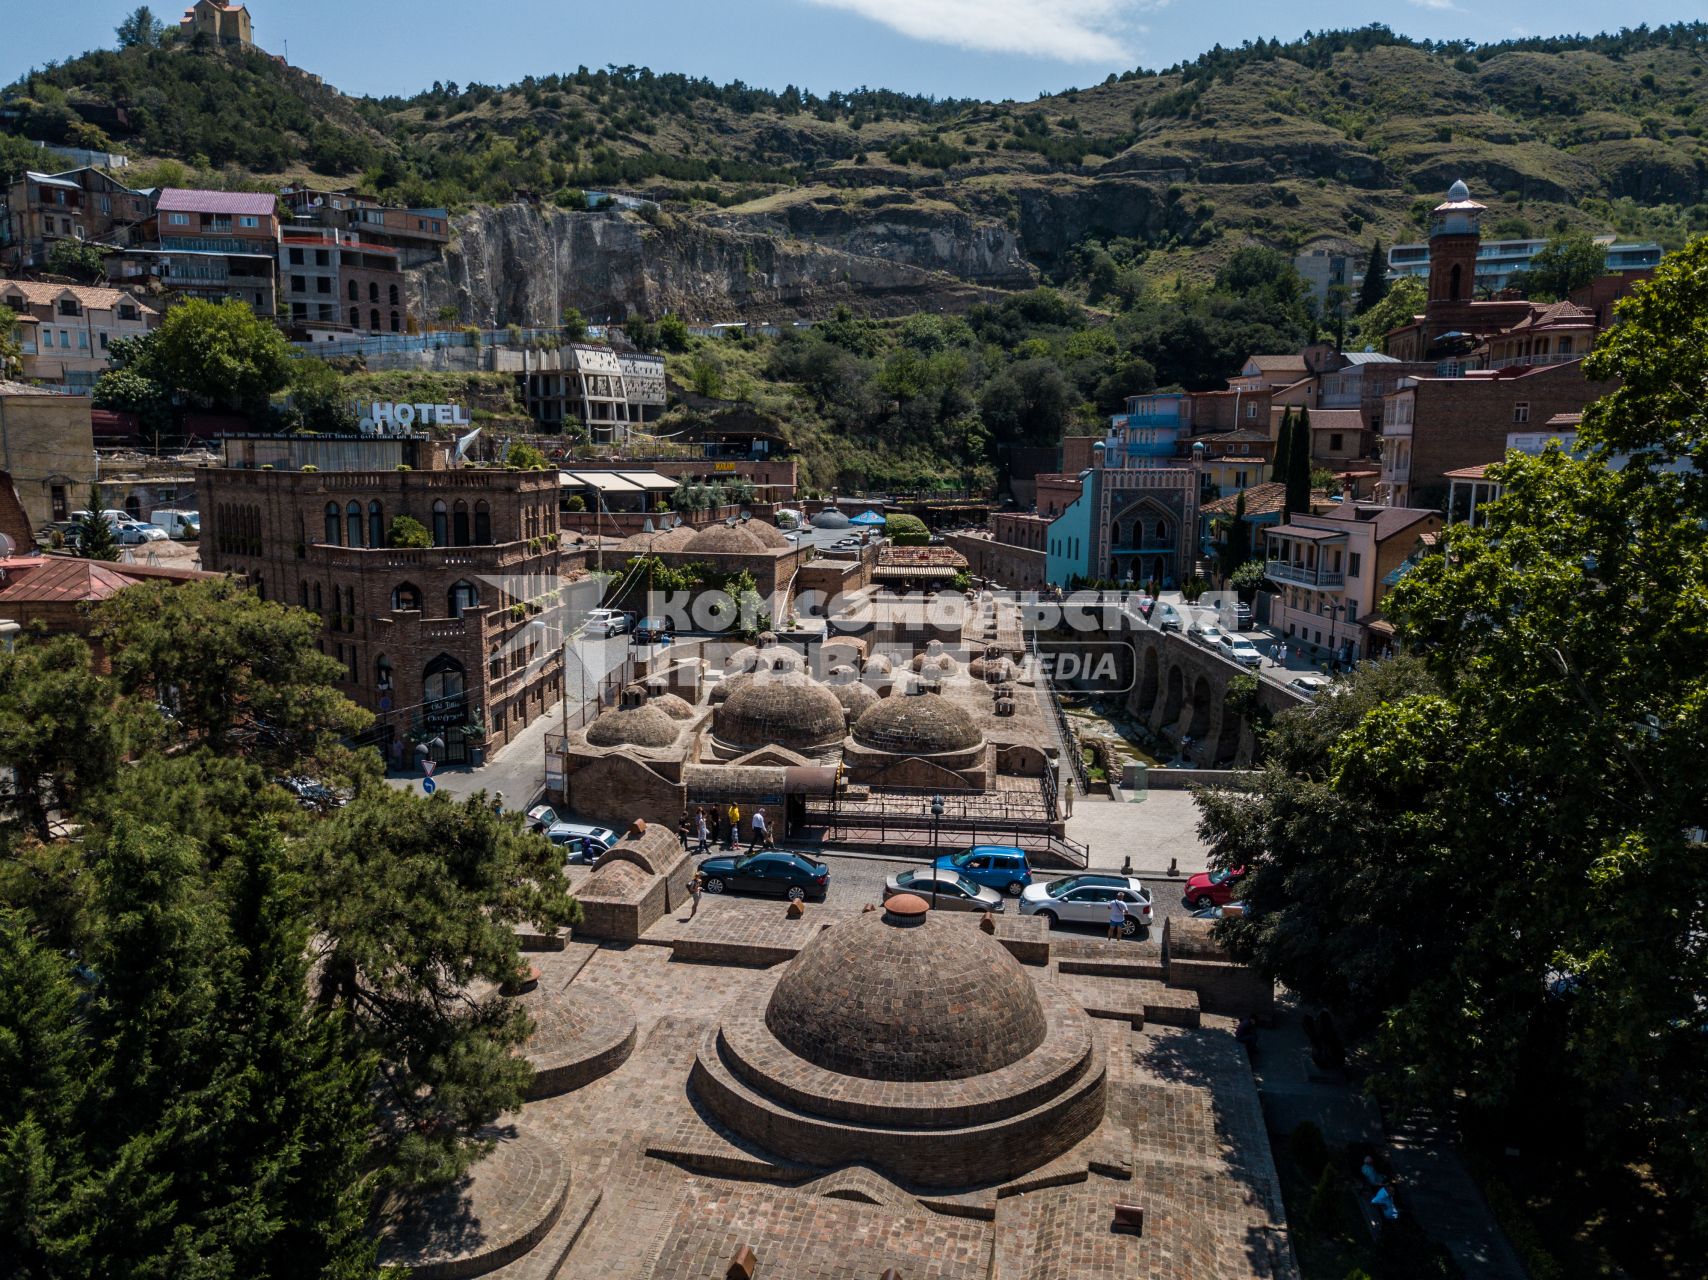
134,534
1242,616
1206,633
945,888
311,794
574,837
1085,899
999,866
1213,888
652,630
1240,650
178,524
1222,912
540,817
606,622
1310,685
778,872
1168,618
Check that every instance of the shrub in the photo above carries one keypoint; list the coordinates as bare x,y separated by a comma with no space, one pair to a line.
1327,1201
575,502
407,531
907,531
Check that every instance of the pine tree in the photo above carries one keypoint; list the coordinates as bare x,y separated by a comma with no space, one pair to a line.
95,537
1239,536
1375,286
1299,465
1283,441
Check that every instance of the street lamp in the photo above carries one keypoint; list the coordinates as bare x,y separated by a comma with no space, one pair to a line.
936,820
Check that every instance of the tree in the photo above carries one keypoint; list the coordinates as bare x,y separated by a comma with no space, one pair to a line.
221,354
1028,403
1283,442
1565,263
59,732
141,30
525,457
11,350
1236,542
673,333
1248,578
1375,285
319,398
414,900
239,674
83,262
706,376
906,531
1403,300
574,325
1486,861
96,538
1299,465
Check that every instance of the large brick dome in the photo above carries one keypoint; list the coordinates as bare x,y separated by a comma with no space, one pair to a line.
916,725
890,997
636,723
779,708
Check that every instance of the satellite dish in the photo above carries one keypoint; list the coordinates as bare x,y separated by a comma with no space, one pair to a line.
7,546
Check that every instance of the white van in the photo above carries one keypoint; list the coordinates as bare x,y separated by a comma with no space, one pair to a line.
178,524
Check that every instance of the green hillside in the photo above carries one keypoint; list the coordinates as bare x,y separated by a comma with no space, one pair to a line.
1347,133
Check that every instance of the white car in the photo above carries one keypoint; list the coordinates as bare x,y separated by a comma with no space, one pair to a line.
607,622
1085,899
1206,633
132,534
1240,650
1309,685
120,520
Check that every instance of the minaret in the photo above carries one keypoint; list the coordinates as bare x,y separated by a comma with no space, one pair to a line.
1455,232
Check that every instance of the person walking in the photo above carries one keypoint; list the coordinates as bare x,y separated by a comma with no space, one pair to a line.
1117,917
682,830
702,831
734,816
761,832
695,887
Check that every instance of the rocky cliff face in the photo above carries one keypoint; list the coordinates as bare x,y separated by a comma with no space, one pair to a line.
522,264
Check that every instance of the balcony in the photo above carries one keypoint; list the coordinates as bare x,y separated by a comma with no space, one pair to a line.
1301,575
1554,357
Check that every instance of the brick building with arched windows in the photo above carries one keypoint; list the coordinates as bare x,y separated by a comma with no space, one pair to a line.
437,641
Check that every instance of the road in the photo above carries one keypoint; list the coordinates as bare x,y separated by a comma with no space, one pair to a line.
858,879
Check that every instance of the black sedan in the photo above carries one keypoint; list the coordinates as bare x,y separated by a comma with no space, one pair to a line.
777,872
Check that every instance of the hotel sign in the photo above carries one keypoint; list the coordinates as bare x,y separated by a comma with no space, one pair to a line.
383,419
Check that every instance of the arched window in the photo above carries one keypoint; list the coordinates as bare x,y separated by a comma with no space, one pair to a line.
304,585
355,312
442,683
382,673
355,292
374,319
353,524
441,525
1161,531
460,524
332,523
317,605
1454,281
396,323
406,595
376,524
394,295
373,292
495,662
482,524
133,506
462,595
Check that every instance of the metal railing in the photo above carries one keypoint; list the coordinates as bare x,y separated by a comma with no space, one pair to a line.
1066,738
1303,575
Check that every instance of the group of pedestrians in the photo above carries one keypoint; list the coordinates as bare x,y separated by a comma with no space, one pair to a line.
705,823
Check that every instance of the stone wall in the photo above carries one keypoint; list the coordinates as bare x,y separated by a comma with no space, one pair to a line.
1194,960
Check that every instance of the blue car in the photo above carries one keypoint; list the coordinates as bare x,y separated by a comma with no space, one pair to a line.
1000,866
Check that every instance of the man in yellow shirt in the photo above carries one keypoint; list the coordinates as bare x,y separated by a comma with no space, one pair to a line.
734,816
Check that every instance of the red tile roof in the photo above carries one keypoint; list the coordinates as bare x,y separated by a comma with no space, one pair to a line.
70,580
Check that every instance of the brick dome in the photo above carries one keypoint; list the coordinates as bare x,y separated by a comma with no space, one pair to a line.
677,708
636,723
779,708
916,725
767,535
897,998
723,539
856,697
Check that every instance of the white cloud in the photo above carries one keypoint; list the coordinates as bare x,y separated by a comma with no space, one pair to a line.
1066,30
1440,6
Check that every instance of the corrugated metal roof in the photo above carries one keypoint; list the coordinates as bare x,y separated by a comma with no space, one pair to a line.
181,200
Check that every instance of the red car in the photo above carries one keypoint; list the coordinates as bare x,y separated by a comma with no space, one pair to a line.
1213,888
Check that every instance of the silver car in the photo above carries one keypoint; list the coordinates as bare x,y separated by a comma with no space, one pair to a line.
945,888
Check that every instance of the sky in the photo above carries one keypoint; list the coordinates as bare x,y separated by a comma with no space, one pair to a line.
993,49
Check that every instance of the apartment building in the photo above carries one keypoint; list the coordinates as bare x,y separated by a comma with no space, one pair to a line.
41,209
604,392
418,235
457,644
1335,567
206,244
328,278
66,331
